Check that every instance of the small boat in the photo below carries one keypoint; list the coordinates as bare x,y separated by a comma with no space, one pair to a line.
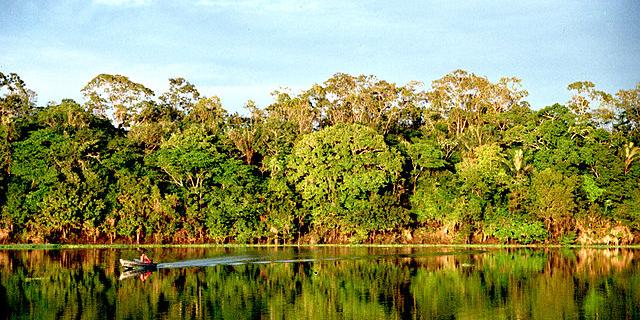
137,264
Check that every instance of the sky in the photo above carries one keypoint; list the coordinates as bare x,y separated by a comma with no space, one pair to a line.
244,49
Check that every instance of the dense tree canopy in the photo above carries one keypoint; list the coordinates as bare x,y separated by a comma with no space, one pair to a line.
354,159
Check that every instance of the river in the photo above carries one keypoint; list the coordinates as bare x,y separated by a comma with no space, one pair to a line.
323,283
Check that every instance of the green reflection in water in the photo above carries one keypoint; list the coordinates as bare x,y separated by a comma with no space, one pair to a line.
323,283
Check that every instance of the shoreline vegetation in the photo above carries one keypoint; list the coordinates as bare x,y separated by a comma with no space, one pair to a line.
353,160
55,246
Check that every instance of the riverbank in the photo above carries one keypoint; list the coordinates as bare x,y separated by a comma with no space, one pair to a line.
214,245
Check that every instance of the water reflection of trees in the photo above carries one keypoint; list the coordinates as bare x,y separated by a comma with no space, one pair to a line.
596,262
370,283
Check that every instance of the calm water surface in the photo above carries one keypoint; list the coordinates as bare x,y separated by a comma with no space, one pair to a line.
323,283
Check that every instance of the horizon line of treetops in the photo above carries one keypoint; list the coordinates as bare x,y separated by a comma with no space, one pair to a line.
354,159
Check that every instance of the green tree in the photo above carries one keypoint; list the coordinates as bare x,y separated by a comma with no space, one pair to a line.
425,155
188,160
141,212
217,191
16,100
58,172
553,200
182,95
343,174
234,203
629,211
209,114
434,200
16,103
484,184
154,125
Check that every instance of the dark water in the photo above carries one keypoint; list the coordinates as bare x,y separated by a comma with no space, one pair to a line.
323,283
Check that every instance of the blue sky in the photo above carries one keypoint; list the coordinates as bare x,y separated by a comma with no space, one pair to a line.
244,49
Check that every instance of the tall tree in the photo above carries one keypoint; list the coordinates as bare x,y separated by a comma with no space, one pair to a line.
299,110
465,99
116,97
16,100
207,113
628,112
246,133
182,95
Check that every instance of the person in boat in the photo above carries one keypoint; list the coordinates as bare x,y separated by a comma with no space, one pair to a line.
144,258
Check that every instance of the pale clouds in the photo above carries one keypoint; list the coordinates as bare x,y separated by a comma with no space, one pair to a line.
270,6
123,3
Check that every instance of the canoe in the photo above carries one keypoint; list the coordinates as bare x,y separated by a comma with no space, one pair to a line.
137,264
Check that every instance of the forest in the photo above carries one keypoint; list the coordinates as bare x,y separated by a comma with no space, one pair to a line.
354,159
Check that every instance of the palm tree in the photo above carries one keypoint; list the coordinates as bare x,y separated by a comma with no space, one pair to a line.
630,154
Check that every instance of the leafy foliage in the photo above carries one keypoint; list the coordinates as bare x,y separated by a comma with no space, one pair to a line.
345,175
353,159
